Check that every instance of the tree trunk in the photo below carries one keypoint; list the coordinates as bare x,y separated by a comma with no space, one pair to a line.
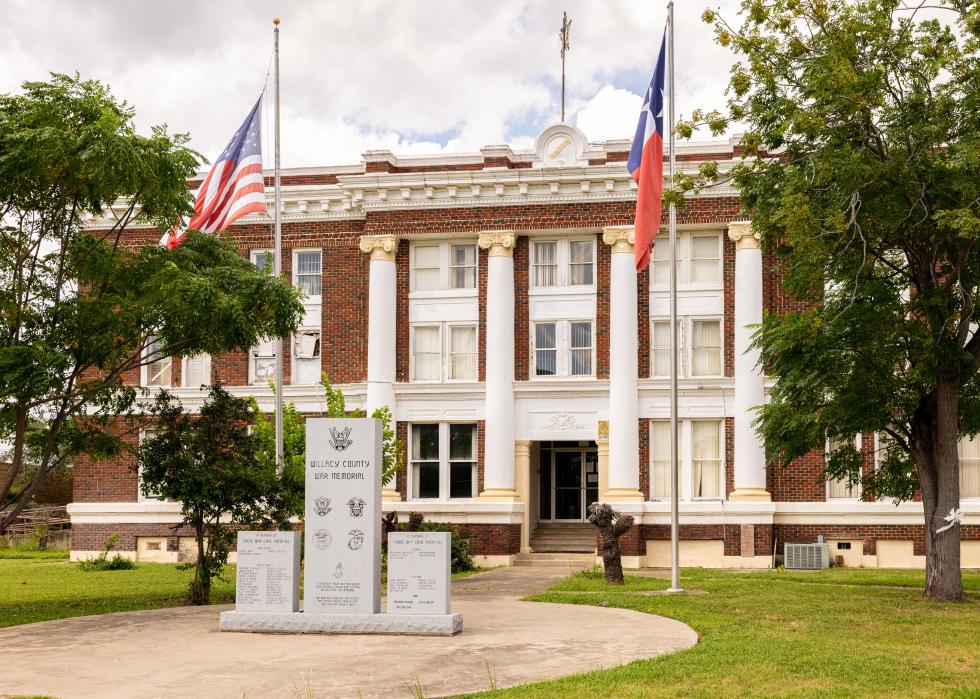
936,435
199,592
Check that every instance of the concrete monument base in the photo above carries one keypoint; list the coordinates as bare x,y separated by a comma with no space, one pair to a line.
383,624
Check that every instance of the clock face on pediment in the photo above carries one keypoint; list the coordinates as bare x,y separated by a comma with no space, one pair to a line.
560,145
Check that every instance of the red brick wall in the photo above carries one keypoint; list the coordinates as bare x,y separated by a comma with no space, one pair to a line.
522,338
403,352
728,277
730,456
644,436
108,480
643,323
492,539
603,276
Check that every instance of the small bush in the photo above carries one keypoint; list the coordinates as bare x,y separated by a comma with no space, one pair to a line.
103,562
462,556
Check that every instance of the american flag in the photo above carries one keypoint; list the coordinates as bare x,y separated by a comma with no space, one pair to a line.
233,188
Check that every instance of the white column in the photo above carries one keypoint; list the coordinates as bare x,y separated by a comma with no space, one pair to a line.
624,439
381,329
750,455
499,479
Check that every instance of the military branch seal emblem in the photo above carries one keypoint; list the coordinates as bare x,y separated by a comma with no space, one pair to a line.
322,539
340,439
356,506
356,539
322,506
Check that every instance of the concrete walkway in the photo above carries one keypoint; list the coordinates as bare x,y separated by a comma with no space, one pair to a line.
180,653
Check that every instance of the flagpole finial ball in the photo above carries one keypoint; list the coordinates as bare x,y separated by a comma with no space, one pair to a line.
275,21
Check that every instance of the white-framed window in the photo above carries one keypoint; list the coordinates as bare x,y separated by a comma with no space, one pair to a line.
700,457
261,259
699,259
144,433
462,353
838,488
699,352
196,371
444,352
159,370
262,362
306,356
308,271
660,480
462,266
441,266
563,262
706,459
969,451
443,460
563,348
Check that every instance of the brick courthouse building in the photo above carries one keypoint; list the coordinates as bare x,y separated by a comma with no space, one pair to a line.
490,300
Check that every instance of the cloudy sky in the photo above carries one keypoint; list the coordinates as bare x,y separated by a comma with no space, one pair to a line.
413,76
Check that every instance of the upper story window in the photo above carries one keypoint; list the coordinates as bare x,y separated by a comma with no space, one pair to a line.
441,266
158,370
969,448
306,356
196,371
308,274
562,262
444,352
262,259
262,362
564,348
699,259
699,351
841,488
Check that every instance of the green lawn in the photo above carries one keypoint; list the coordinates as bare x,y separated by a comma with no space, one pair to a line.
40,589
835,633
42,585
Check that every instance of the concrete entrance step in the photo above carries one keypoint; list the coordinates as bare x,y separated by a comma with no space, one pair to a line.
563,538
579,561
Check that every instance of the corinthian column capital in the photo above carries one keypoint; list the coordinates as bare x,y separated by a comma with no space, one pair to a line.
499,243
622,238
743,236
380,247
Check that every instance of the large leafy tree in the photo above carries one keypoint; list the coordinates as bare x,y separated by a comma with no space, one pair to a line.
77,306
863,176
210,463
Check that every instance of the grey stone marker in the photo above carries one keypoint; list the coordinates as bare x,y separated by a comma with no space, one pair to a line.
419,565
342,582
267,575
343,516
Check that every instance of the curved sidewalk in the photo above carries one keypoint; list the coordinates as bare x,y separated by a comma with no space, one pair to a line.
180,652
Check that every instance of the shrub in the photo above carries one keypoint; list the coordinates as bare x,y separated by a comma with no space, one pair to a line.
103,562
462,556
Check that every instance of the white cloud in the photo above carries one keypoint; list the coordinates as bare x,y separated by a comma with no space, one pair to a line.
413,76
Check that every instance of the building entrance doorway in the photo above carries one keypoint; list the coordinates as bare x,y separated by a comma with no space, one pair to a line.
569,480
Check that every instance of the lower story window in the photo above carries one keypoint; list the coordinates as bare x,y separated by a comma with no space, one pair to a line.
699,459
970,467
443,461
262,361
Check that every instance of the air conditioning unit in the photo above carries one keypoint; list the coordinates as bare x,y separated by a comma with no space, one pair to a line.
806,556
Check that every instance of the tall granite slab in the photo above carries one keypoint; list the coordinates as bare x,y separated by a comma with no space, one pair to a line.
419,566
267,572
343,516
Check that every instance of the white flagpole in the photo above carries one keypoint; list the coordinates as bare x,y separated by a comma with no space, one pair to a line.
675,583
277,267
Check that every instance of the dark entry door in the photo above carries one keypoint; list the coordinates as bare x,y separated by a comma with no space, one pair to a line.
568,485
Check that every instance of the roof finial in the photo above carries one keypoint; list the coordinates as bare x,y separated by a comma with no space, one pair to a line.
566,26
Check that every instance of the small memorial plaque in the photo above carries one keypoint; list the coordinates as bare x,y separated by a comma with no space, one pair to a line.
418,572
267,576
343,516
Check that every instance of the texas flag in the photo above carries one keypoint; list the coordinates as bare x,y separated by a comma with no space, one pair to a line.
646,162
